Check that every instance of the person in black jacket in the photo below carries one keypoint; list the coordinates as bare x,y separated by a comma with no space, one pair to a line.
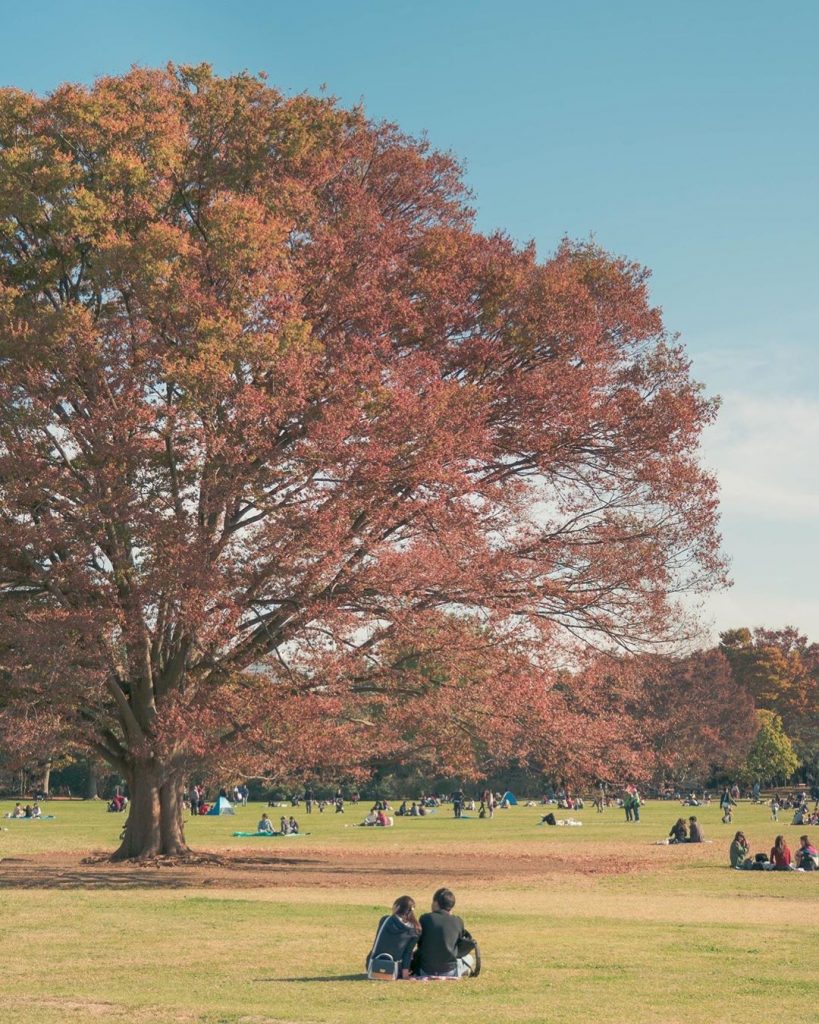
695,830
441,932
397,935
679,832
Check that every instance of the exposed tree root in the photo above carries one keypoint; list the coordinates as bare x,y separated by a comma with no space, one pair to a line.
181,860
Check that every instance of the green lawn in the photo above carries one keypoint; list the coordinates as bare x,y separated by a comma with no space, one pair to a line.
591,924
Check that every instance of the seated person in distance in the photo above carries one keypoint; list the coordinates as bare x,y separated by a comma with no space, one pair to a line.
807,857
694,830
740,851
781,854
679,831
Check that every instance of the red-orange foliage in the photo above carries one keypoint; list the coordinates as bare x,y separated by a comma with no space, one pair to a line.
284,439
650,717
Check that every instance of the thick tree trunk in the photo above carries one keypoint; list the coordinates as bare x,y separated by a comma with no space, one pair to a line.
46,778
171,829
154,825
93,780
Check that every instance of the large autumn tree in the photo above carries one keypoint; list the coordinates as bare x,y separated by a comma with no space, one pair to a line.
291,455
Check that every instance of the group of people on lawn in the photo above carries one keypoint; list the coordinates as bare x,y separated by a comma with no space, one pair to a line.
436,945
287,826
29,811
781,858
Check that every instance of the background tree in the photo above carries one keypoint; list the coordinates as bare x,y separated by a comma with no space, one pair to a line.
698,717
771,758
652,717
780,669
277,426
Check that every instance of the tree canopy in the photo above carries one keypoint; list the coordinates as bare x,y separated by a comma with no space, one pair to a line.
780,669
771,758
292,456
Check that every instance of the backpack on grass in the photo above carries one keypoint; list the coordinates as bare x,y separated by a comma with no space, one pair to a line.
469,951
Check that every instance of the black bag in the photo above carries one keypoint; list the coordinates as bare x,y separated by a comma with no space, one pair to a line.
382,968
549,819
468,947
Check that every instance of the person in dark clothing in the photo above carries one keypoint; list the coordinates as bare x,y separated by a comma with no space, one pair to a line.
457,802
679,832
441,931
397,934
694,830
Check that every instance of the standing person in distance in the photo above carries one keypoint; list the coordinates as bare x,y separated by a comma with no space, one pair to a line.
457,802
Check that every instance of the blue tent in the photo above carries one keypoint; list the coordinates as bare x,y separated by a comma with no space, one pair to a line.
509,797
222,806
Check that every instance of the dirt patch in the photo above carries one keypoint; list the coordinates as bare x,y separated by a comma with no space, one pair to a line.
339,868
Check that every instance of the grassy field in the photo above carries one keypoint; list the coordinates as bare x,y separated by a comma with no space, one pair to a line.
591,924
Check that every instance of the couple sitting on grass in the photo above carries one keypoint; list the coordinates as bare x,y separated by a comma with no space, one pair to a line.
682,833
436,946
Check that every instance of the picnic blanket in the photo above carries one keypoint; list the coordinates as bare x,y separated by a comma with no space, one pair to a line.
43,817
668,842
269,835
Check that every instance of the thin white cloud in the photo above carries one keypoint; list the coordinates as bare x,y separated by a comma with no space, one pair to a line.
765,452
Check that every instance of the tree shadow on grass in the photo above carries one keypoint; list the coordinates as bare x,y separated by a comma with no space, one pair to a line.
21,873
97,873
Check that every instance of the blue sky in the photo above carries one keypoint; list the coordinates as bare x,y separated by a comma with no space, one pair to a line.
682,135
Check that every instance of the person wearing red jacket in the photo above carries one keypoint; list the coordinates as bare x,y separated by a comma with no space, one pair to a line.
781,854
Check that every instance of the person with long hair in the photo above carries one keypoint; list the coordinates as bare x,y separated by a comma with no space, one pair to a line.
488,801
781,854
806,856
679,832
740,851
397,934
